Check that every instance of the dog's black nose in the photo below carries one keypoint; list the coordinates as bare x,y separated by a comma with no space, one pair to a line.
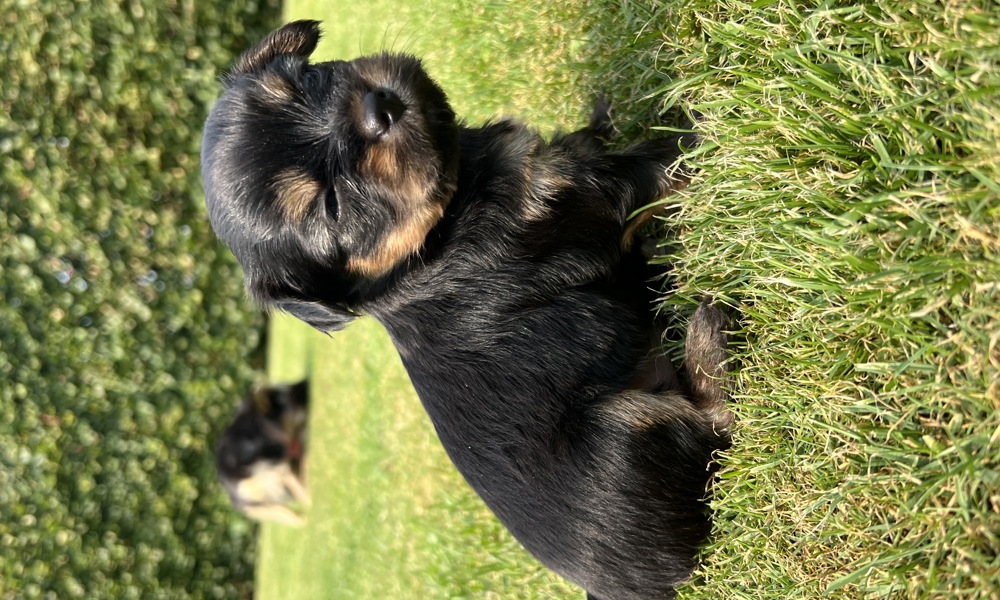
381,109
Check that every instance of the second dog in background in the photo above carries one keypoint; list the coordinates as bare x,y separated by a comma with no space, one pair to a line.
260,457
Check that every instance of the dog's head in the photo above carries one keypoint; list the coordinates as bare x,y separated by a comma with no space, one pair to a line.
323,177
269,428
252,438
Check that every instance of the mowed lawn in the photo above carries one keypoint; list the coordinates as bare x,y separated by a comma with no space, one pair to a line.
846,204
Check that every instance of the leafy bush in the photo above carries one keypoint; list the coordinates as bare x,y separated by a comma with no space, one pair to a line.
124,339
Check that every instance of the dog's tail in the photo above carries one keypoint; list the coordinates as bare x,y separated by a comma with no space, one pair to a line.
706,362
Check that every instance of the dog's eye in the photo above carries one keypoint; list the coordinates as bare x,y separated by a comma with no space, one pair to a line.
331,205
310,77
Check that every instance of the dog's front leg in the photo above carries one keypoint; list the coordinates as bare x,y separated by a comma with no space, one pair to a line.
643,174
275,513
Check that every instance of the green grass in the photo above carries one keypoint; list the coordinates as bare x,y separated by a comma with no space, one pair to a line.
846,204
365,496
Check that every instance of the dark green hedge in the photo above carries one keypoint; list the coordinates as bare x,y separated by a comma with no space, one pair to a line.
125,339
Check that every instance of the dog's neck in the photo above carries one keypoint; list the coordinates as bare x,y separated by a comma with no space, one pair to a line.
492,156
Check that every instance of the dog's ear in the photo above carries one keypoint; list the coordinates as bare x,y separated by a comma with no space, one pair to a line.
298,38
299,393
320,316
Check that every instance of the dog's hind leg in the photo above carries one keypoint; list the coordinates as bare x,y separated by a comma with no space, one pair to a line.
656,373
705,360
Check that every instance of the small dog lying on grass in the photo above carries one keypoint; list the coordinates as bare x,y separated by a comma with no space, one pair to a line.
260,457
504,269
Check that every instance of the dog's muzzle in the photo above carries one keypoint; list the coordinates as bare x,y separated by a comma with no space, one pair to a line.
381,109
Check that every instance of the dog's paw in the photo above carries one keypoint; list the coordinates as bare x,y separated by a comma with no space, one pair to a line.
706,357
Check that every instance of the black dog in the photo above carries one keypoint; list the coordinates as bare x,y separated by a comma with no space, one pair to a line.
504,270
260,457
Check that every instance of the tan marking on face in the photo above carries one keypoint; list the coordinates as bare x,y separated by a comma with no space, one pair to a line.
412,191
380,164
402,241
295,190
402,180
277,88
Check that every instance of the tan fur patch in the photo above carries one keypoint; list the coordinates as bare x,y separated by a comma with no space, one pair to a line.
266,495
414,196
266,484
383,165
403,240
671,187
545,184
277,88
295,190
636,223
380,164
641,411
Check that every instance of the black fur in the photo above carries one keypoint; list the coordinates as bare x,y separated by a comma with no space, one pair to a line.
523,313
